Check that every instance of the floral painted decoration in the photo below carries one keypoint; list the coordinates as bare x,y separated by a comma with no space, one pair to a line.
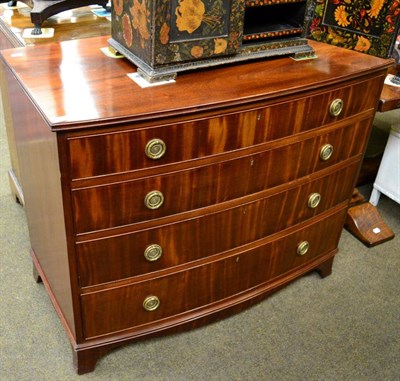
367,26
165,31
140,20
132,22
190,14
196,29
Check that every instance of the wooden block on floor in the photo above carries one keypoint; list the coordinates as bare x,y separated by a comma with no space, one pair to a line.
366,224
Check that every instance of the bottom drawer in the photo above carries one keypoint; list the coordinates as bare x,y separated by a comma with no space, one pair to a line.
128,306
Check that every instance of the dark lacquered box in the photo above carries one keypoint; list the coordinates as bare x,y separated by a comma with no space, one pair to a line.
164,37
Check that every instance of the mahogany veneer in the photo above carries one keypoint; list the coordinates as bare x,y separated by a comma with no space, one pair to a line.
255,182
78,23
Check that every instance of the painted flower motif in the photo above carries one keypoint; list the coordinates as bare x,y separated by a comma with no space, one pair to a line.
220,45
363,44
234,40
315,24
341,16
197,51
118,6
139,22
189,15
335,38
164,34
376,6
127,30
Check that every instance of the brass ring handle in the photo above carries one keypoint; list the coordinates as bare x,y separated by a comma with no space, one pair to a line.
336,107
313,200
326,152
151,303
155,149
154,199
153,252
302,248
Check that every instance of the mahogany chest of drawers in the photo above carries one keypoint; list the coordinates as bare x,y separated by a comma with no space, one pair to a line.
159,209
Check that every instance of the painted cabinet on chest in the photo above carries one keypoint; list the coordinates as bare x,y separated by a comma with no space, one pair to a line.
157,210
173,36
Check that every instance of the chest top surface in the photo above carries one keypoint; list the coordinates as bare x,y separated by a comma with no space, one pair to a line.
74,84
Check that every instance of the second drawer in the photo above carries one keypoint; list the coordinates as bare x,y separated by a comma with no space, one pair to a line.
113,258
110,205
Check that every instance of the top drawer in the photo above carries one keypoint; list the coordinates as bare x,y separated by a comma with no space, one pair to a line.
129,150
108,205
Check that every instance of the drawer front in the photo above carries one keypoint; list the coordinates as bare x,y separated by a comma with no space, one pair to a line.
119,204
125,151
122,307
114,258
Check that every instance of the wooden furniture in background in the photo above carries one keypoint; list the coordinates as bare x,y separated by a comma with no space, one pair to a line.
160,209
365,222
363,218
41,10
390,98
77,24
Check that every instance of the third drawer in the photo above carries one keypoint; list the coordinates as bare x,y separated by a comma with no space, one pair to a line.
151,301
122,256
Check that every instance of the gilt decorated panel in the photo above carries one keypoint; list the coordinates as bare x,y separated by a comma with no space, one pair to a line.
367,26
167,31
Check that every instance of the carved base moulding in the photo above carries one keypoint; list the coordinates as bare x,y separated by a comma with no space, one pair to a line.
299,49
165,37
